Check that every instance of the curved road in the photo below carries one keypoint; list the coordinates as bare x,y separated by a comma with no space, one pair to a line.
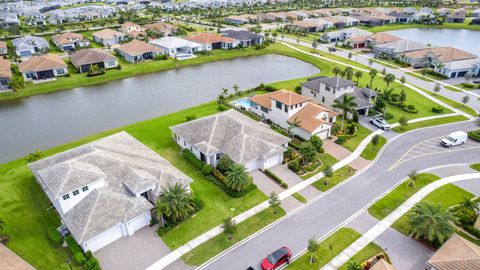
338,206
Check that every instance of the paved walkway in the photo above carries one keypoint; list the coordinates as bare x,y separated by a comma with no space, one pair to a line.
384,224
293,179
339,152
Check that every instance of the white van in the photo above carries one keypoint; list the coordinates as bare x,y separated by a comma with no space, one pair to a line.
454,139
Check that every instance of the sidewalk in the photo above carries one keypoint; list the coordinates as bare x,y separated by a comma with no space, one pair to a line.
384,224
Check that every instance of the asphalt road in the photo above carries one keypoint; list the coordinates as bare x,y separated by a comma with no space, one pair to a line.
325,214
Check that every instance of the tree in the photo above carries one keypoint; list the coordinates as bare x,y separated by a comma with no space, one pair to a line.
229,227
274,35
336,70
274,201
465,100
295,123
34,156
236,90
349,73
175,203
403,80
384,71
468,77
316,142
437,88
354,266
375,141
315,44
476,121
403,96
308,152
346,104
430,222
313,246
389,78
358,75
370,62
412,178
350,55
328,172
237,178
387,96
373,73
403,121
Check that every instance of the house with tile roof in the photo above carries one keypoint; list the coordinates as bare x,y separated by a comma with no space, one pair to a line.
246,141
84,59
396,48
212,41
284,107
28,46
344,34
163,28
177,47
456,253
132,29
310,25
5,74
244,37
108,37
70,41
380,38
104,190
382,265
326,90
43,67
137,51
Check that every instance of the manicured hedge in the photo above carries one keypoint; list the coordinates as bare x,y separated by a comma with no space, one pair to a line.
76,250
276,178
203,167
474,135
55,236
227,190
437,109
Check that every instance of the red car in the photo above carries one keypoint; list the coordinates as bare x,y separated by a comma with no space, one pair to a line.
277,258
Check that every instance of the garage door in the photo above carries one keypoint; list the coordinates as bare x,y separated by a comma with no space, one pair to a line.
251,165
139,222
272,161
104,238
323,134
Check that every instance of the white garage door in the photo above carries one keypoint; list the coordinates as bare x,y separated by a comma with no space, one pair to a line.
272,161
104,238
323,134
251,165
139,222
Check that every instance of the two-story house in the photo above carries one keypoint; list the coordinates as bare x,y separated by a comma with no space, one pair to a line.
326,90
285,109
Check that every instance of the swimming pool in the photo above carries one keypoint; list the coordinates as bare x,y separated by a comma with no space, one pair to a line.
243,102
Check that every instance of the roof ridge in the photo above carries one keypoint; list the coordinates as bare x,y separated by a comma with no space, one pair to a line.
90,213
213,130
64,179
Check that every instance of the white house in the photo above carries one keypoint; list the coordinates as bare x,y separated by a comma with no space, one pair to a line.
284,107
246,141
178,47
28,46
105,190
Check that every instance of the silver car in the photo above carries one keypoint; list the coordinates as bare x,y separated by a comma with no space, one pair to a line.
380,122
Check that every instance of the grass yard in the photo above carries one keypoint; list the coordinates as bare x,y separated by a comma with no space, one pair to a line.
299,197
371,151
220,242
352,143
429,123
390,27
448,195
399,195
338,176
326,159
455,104
475,166
366,253
419,76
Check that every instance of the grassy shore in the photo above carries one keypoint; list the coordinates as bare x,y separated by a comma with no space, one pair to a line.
391,27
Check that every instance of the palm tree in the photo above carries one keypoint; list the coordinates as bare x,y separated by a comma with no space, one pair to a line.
412,178
389,78
295,123
403,80
358,74
465,100
430,222
313,246
328,172
346,104
468,206
468,77
387,95
237,178
437,88
336,70
229,227
373,73
354,266
175,203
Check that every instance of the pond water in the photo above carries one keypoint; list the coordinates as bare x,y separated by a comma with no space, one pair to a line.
44,121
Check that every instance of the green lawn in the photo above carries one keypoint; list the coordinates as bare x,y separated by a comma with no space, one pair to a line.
448,195
475,166
390,27
419,76
399,195
371,151
452,89
338,176
366,253
455,104
326,159
352,143
299,197
220,242
429,123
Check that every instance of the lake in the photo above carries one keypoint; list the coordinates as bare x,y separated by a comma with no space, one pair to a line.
467,40
44,121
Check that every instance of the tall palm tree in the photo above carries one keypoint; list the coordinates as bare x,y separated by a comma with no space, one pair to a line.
358,74
346,104
237,178
430,222
389,78
468,206
336,70
387,95
295,123
373,73
175,203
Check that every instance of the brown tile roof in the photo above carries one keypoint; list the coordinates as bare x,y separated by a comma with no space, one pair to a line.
381,37
65,38
358,38
137,47
11,261
107,33
443,54
307,116
284,96
457,253
41,63
5,68
209,38
3,45
382,265
90,56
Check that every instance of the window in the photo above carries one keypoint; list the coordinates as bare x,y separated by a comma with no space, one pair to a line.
327,88
286,109
66,197
217,156
111,63
264,109
76,192
85,188
60,71
278,104
29,75
323,99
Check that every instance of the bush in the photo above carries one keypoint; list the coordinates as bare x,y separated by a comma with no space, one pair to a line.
437,109
223,107
227,190
119,67
471,230
67,75
474,135
193,159
161,57
468,85
97,72
410,109
294,166
207,169
276,178
191,117
76,250
92,264
55,236
224,164
295,143
312,167
388,116
340,140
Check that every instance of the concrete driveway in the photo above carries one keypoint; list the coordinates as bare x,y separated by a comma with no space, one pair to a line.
292,179
136,252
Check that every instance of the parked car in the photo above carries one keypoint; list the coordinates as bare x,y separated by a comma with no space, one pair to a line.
380,122
277,258
454,139
476,81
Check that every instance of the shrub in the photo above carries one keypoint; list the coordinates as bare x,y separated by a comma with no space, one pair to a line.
191,117
76,250
79,258
193,159
468,85
351,129
223,107
97,72
207,169
55,236
276,178
388,116
474,135
295,143
67,75
119,67
340,140
224,164
471,230
161,57
410,109
92,264
437,109
294,166
312,167
227,190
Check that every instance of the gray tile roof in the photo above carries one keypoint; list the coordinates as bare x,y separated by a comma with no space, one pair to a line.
336,82
124,164
232,133
362,97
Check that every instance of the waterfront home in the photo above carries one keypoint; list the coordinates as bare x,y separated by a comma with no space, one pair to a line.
162,28
380,38
3,48
5,74
70,41
246,141
284,107
456,18
137,51
108,37
132,29
475,21
342,35
326,90
402,17
213,41
236,19
43,67
84,59
28,46
443,11
310,25
177,47
244,37
386,19
456,253
105,190
394,49
340,22
475,13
